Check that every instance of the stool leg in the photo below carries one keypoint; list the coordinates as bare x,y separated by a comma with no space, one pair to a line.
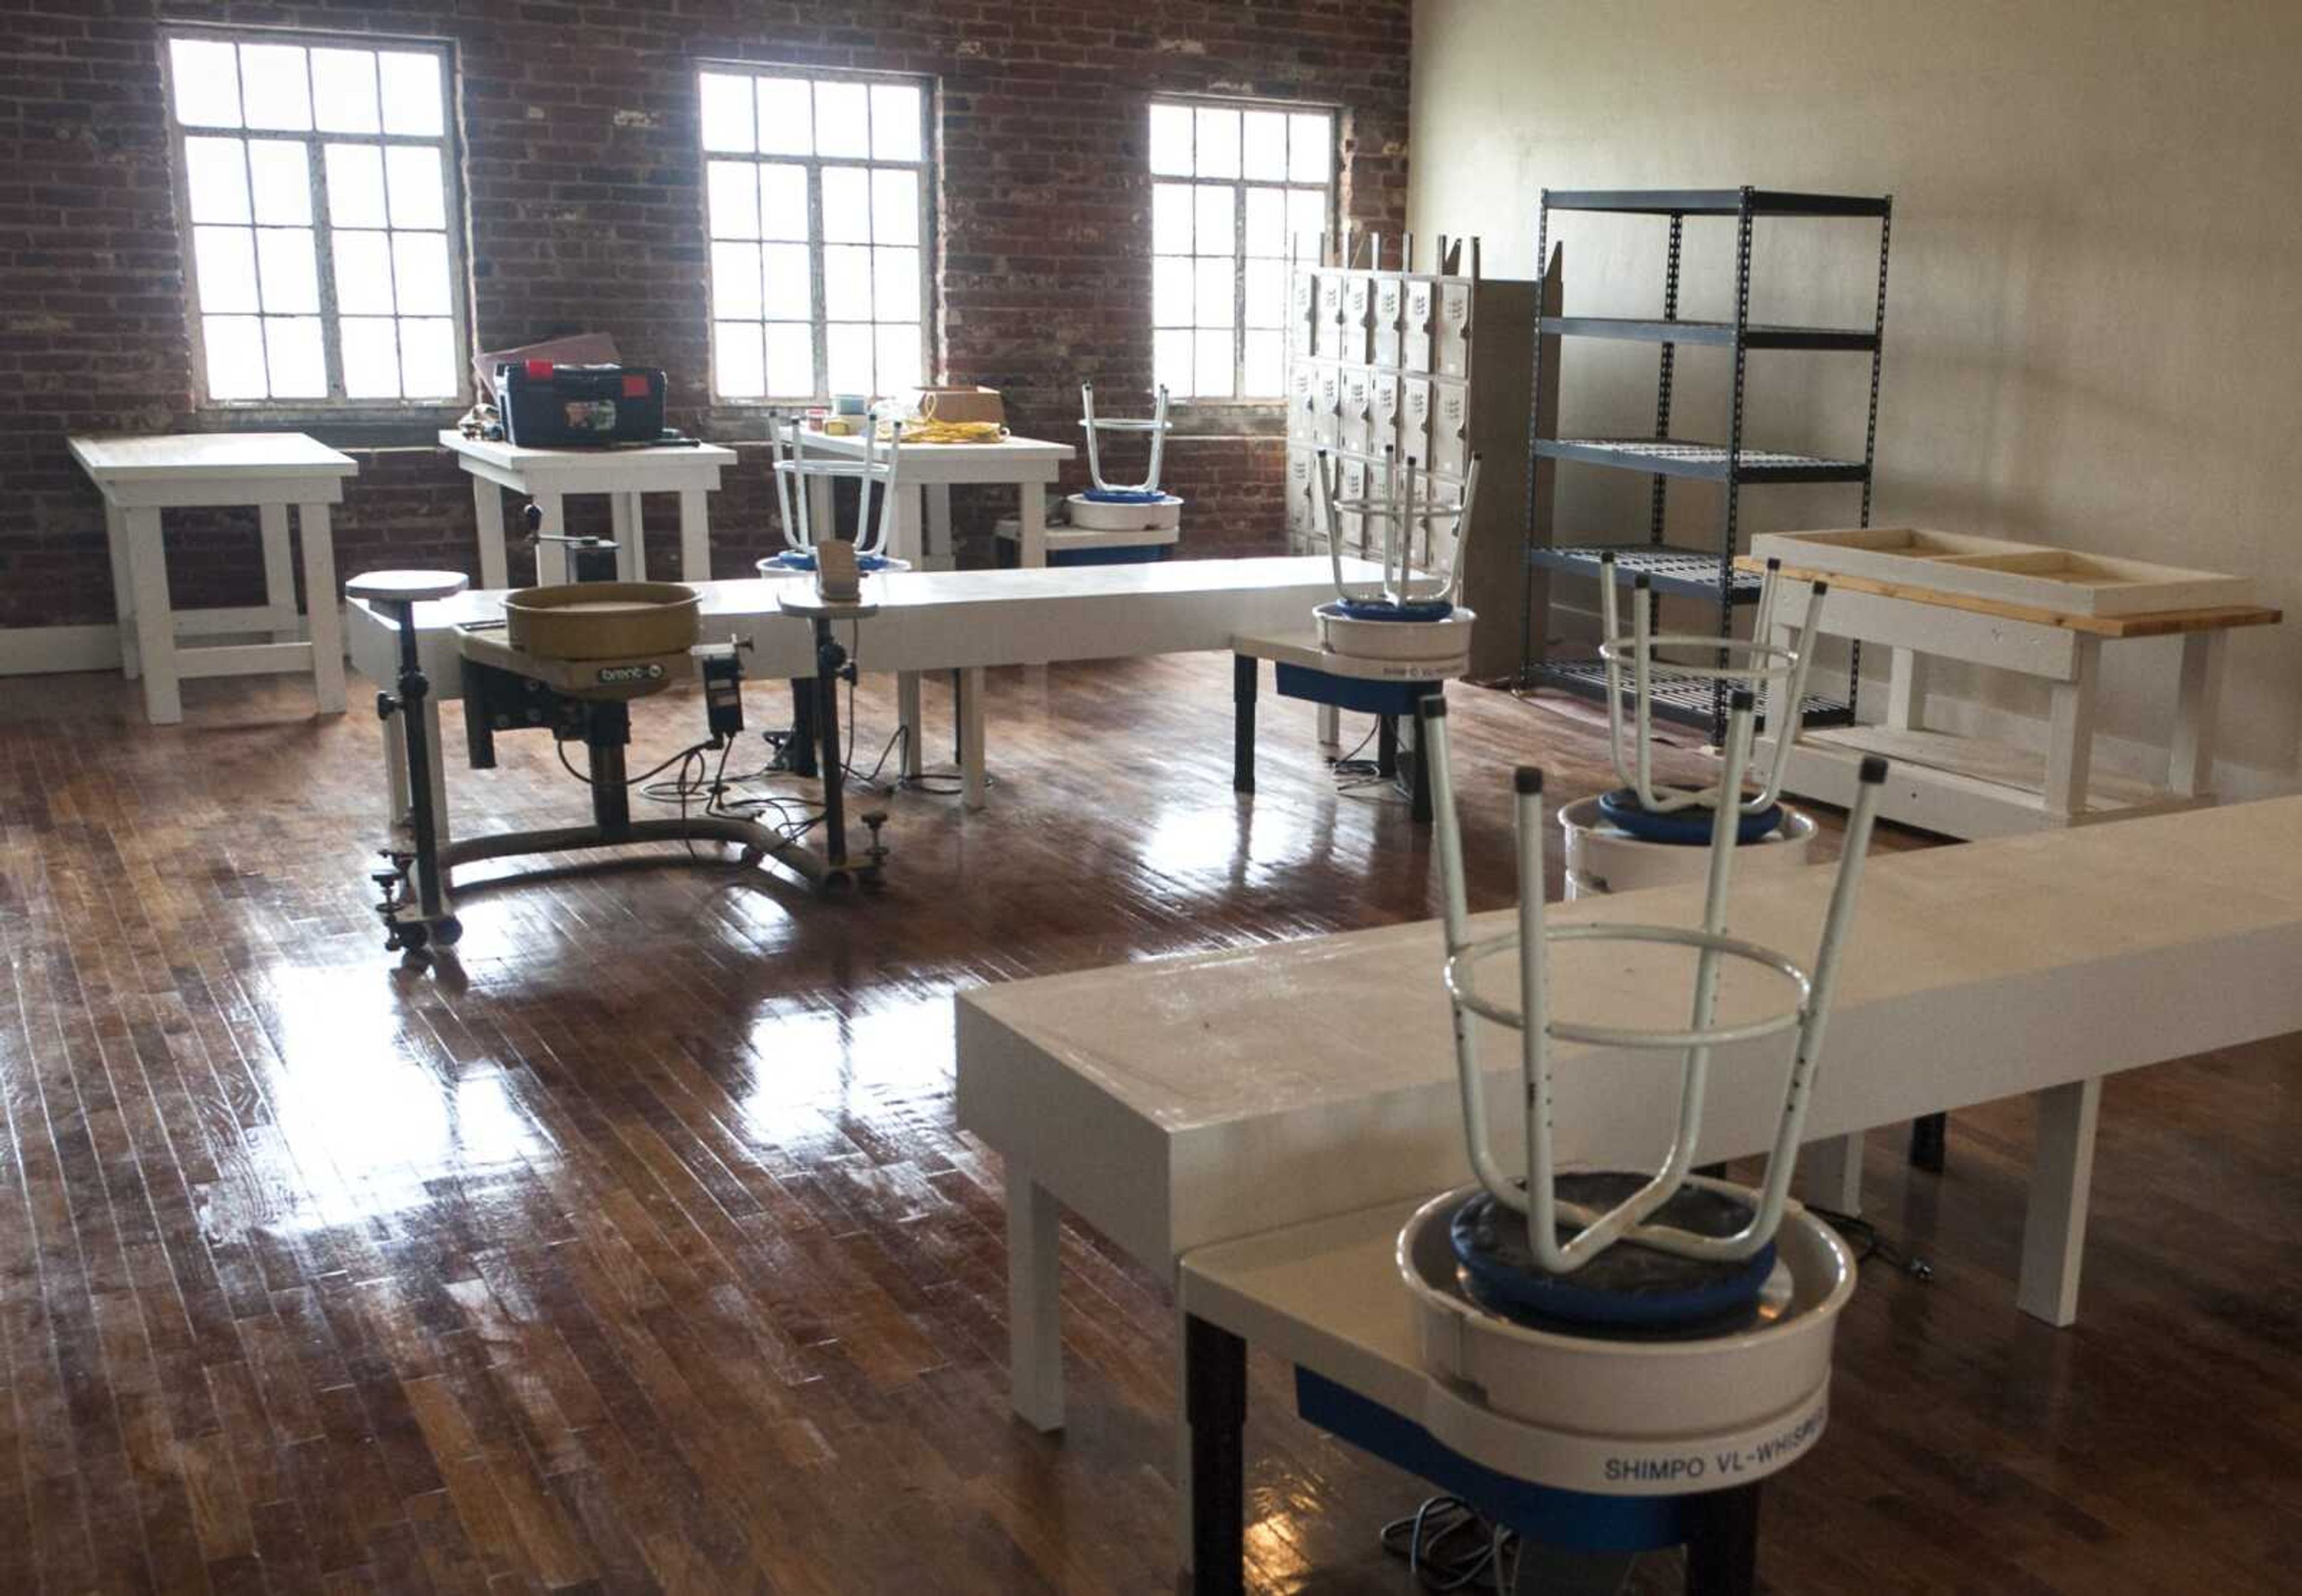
1244,668
1386,745
1214,1400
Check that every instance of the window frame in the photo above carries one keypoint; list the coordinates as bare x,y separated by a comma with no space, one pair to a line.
448,143
1239,186
927,169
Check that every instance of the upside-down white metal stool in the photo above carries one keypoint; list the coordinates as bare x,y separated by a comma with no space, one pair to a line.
1675,1329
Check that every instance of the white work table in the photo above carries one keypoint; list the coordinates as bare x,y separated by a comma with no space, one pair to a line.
140,477
946,620
922,530
550,476
1178,1103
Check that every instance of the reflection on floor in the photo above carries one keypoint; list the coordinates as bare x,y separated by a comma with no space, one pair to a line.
639,1250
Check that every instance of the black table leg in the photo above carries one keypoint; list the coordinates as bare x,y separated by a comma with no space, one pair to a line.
1386,745
1929,1142
1215,1405
1418,780
1244,669
1722,1543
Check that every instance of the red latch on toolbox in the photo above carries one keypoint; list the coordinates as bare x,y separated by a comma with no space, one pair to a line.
635,386
539,371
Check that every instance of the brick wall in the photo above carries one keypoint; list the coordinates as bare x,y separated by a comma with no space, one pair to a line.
584,187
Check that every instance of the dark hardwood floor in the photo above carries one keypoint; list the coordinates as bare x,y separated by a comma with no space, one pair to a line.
637,1249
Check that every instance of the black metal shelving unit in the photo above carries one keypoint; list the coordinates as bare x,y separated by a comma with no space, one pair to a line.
1706,574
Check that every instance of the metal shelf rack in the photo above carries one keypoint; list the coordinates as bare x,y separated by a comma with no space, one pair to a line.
1704,574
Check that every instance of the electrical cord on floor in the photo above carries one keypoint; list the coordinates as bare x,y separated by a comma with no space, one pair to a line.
690,751
1863,1236
1449,1545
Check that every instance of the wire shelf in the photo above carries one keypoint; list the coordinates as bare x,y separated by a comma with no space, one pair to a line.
1687,573
1668,457
1688,701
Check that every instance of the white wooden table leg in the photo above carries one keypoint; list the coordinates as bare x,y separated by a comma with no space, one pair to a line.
970,736
325,611
2190,770
907,717
123,589
624,518
279,572
487,505
906,538
940,553
551,558
156,622
695,536
1035,1348
1032,524
1331,724
1906,690
1830,1174
2070,747
2061,1182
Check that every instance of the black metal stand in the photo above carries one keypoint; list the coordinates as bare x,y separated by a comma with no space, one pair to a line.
1706,575
432,922
830,659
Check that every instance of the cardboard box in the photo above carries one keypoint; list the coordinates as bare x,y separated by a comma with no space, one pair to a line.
959,404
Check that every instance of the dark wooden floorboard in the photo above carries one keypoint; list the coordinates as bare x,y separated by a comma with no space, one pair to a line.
637,1250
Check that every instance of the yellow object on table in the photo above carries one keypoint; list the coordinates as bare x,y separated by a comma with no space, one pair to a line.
926,430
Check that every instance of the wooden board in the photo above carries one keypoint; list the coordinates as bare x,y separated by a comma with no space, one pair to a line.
2154,624
2019,772
2032,575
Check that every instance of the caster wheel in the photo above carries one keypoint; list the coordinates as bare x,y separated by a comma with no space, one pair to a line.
448,931
411,938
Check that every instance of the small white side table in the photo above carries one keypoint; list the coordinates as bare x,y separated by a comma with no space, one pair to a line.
548,475
140,477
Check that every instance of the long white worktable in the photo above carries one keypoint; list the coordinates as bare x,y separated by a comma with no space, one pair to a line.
1177,1103
947,621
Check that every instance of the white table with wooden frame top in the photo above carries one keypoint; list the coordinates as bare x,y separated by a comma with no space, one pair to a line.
548,476
1971,787
141,477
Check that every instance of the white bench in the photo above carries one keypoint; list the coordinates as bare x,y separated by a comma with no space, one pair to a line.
1179,1102
963,621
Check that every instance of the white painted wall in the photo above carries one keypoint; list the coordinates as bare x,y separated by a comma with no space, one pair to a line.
2093,333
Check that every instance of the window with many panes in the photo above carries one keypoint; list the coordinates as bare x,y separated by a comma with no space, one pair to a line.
1233,188
816,191
319,209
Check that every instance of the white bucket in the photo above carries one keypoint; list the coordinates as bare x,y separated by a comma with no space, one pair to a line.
1600,858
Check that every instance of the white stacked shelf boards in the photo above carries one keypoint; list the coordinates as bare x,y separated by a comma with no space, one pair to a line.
1387,364
2028,608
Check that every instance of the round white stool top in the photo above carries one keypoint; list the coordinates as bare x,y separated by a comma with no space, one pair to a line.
406,587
